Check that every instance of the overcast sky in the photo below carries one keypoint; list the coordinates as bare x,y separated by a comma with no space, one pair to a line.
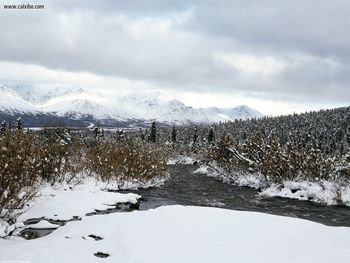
279,56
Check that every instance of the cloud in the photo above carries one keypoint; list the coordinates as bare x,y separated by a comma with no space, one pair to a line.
250,64
276,50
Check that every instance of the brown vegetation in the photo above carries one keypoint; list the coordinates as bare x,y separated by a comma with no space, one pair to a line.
28,160
124,159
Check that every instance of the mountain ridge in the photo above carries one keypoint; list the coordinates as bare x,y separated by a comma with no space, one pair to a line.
93,107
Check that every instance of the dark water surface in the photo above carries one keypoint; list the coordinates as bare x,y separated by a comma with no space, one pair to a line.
186,188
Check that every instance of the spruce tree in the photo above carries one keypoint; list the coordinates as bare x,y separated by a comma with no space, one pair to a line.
195,135
153,135
142,135
173,135
95,132
211,136
3,127
19,124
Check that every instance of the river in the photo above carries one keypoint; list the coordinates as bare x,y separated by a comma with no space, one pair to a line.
186,188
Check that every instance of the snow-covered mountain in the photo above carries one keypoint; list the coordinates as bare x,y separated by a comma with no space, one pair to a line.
239,112
80,104
10,101
159,106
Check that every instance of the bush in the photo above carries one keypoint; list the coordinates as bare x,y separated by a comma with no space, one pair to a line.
124,159
19,176
27,161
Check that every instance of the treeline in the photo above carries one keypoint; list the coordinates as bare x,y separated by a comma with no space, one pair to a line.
313,146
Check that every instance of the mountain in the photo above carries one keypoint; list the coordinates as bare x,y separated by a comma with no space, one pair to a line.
78,102
238,112
11,102
86,108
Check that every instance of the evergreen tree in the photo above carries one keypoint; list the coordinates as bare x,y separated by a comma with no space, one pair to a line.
19,124
102,133
195,135
120,134
3,127
95,132
153,135
142,135
211,136
173,135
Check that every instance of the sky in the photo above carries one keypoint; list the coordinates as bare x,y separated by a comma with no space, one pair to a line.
278,56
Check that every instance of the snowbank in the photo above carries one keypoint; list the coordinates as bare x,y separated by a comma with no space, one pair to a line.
181,160
65,202
185,234
322,192
134,184
203,170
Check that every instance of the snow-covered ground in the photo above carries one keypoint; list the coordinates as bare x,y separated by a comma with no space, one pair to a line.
66,202
166,234
185,234
324,192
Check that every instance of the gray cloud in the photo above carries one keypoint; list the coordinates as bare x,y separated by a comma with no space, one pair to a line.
178,44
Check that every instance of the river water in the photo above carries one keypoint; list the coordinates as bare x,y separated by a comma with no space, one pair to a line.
186,188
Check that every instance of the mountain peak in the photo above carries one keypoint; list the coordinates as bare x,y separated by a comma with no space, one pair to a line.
7,91
12,102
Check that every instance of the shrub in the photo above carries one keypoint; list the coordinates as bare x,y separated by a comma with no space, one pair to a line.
26,161
19,177
124,159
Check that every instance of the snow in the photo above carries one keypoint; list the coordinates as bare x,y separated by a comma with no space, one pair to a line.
65,202
186,234
324,192
181,160
135,184
11,101
43,224
81,102
202,170
239,112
